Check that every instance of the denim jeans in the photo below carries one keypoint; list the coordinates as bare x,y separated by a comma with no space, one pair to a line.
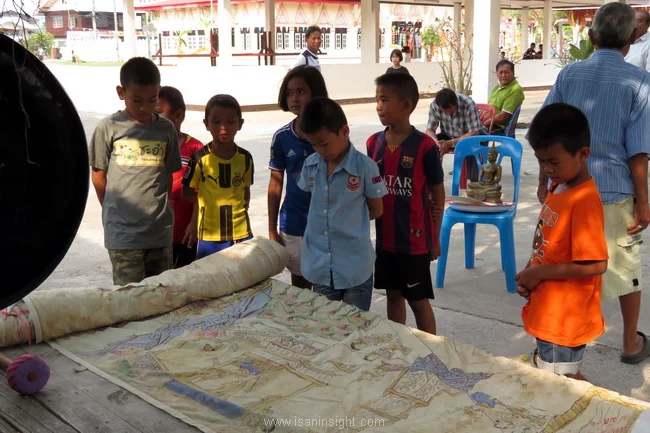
359,296
559,359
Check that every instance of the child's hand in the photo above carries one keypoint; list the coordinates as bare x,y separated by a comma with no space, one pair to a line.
529,277
190,237
435,252
275,236
523,292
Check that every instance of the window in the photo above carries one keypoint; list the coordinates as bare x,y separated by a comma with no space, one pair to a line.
279,41
245,38
358,38
286,41
259,33
304,40
57,22
327,38
72,22
382,43
341,38
202,39
297,40
192,40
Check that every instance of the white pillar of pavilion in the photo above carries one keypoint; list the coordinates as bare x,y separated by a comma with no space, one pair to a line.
469,16
485,53
224,24
269,25
128,23
457,23
369,31
525,19
548,28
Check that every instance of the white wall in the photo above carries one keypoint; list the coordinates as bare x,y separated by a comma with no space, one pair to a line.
92,88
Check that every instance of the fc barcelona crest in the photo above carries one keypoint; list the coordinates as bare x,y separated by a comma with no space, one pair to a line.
407,161
353,183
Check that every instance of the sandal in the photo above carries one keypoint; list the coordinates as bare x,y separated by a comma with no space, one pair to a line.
637,357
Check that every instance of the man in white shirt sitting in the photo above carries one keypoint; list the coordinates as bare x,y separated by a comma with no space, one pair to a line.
639,54
309,57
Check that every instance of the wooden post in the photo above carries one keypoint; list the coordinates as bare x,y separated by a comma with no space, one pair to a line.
160,49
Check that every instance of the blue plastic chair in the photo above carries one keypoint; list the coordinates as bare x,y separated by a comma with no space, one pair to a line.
509,130
503,220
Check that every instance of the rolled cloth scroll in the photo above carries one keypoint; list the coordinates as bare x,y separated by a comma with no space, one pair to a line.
48,314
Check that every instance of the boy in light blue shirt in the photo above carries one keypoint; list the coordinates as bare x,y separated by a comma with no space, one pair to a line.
347,190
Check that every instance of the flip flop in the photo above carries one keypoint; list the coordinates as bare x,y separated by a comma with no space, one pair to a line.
637,357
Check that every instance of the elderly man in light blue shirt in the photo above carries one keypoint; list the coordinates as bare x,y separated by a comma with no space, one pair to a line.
346,191
614,96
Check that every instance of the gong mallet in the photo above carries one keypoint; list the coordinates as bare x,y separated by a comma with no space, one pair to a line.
26,374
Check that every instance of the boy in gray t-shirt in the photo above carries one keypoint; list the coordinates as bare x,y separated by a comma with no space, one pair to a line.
133,155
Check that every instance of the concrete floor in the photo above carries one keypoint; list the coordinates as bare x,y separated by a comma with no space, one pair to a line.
472,308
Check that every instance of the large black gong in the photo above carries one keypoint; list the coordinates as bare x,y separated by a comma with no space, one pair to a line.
43,172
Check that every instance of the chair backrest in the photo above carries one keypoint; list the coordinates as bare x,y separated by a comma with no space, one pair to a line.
509,130
471,146
486,111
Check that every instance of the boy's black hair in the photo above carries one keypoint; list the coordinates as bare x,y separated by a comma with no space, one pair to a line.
312,29
313,78
397,53
506,62
139,70
560,123
321,113
173,97
446,98
222,101
403,85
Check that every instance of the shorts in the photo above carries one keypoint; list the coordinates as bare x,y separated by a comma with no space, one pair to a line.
183,255
133,266
559,359
360,296
623,274
205,248
294,247
408,273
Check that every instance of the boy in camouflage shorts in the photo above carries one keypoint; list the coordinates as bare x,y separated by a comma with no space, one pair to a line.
133,155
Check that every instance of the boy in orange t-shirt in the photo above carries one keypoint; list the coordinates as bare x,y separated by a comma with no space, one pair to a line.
562,281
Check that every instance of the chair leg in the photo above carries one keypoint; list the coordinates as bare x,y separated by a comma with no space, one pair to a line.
441,264
508,257
470,245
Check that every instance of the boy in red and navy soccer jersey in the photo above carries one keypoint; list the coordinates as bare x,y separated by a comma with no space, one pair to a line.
407,232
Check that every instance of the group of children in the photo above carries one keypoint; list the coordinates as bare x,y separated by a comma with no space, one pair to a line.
166,199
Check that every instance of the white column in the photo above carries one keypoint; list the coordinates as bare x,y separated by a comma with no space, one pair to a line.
548,27
128,21
485,48
525,19
457,23
369,31
269,23
469,27
224,24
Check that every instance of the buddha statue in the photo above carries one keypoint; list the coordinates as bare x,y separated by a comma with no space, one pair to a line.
487,189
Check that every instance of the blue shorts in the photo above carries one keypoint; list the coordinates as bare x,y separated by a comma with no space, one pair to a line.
205,248
359,296
559,359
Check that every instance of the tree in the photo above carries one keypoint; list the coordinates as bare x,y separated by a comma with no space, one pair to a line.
430,40
180,40
454,55
40,39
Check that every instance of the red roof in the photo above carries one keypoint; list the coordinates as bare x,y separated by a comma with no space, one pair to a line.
184,4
